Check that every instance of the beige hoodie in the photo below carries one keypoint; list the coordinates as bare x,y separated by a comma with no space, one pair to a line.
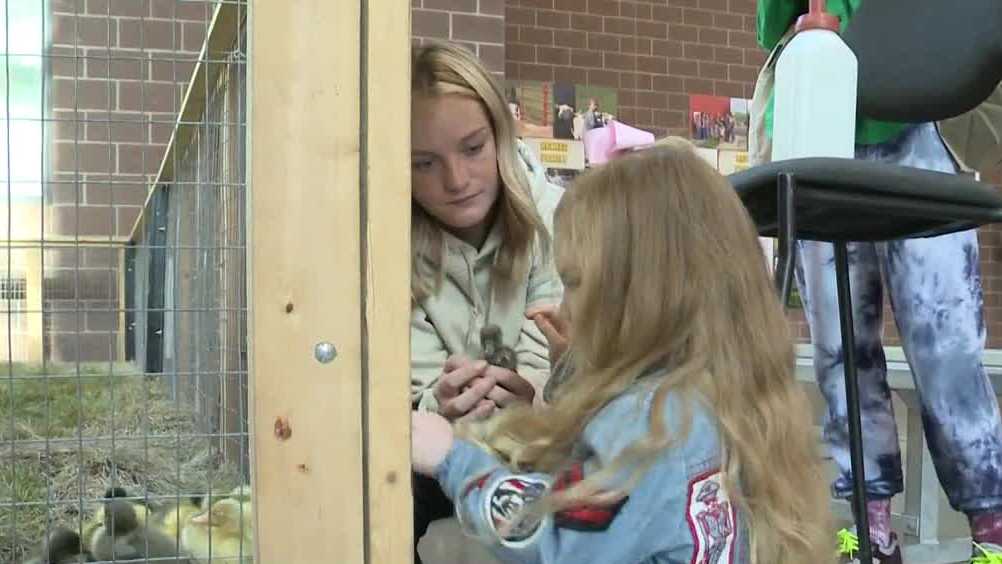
449,322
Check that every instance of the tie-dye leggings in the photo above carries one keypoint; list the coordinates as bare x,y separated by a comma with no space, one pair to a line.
934,286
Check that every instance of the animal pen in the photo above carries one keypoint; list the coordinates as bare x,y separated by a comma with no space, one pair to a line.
198,310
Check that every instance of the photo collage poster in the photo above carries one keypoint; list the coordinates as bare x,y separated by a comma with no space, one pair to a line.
552,118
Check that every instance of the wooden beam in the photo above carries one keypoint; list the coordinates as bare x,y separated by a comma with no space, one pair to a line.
304,241
220,39
387,197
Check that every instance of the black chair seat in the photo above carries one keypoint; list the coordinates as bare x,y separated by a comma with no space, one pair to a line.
850,200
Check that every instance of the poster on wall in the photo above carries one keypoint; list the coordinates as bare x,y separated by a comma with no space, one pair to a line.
718,121
559,110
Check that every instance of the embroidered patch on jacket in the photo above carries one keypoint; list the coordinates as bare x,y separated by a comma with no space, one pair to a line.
584,517
505,503
712,520
476,483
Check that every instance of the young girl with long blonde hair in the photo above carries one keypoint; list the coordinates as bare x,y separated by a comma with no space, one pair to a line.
680,434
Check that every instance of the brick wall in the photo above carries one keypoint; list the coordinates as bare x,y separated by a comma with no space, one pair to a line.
117,70
479,24
654,52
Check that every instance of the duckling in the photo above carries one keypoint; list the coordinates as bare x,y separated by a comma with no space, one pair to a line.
122,536
172,519
97,519
224,531
62,547
495,351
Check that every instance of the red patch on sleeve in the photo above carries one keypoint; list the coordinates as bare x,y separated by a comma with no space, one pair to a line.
584,517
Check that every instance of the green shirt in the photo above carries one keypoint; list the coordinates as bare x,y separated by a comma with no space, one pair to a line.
775,17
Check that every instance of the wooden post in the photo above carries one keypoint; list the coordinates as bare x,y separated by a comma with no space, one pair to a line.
329,161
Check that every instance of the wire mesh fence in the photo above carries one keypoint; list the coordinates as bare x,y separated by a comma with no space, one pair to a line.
123,390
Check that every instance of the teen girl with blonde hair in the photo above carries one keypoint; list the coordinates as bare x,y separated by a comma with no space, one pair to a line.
482,211
680,434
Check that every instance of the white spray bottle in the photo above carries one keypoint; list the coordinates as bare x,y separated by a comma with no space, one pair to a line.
815,104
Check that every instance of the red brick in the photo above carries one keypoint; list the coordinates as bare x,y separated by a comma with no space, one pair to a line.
585,22
743,39
116,132
716,71
699,86
627,98
603,77
536,72
730,55
149,34
638,10
570,38
192,36
628,81
635,45
484,29
644,81
643,116
677,100
68,6
126,217
741,6
567,74
656,30
654,100
603,42
712,36
680,32
626,114
558,20
729,21
741,73
667,48
554,55
520,16
697,17
536,35
755,57
148,96
542,4
82,30
83,220
83,94
751,24
568,5
619,62
683,67
173,9
511,70
621,26
668,83
492,56
139,159
583,58
698,52
732,89
429,24
668,14
520,52
511,33
603,7
492,7
469,6
655,65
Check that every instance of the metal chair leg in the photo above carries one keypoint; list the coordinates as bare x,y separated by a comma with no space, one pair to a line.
787,235
852,402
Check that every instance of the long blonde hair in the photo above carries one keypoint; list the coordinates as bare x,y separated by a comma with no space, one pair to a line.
663,268
440,68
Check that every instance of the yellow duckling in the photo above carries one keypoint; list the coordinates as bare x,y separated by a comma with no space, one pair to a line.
172,519
224,531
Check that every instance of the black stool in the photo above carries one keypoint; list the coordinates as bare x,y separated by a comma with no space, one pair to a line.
919,61
843,200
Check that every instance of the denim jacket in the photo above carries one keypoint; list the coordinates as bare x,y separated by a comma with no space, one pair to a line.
680,512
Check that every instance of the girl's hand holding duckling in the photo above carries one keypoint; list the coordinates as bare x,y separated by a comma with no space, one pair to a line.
462,389
431,441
